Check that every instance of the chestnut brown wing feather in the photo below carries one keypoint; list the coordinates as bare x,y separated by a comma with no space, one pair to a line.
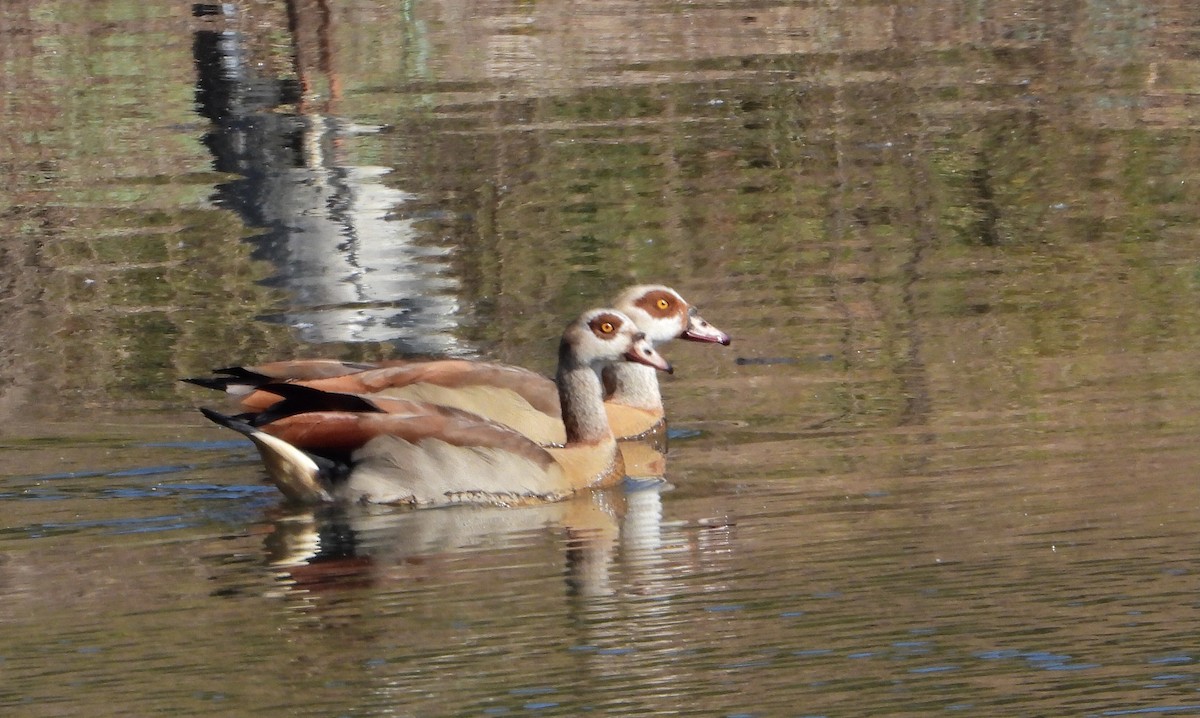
338,434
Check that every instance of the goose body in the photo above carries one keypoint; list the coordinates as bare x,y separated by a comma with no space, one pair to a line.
322,446
515,397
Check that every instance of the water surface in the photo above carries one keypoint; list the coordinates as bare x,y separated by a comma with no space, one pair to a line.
947,466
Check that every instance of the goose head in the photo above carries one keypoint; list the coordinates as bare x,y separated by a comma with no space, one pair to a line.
604,336
663,315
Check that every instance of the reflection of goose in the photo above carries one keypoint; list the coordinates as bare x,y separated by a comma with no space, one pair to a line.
514,397
429,455
347,546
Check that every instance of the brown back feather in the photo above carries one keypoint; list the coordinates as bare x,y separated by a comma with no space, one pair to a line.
539,391
309,369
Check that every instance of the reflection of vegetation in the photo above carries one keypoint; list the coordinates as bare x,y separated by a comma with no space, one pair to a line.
136,278
935,233
959,218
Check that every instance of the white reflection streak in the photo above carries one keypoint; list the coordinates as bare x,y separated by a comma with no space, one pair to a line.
349,265
635,632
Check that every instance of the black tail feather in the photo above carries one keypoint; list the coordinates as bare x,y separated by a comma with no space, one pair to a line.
220,383
230,376
240,423
298,399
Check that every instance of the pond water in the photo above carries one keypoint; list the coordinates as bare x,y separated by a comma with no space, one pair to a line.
949,464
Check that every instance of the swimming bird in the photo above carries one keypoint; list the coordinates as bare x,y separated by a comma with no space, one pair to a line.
419,454
513,396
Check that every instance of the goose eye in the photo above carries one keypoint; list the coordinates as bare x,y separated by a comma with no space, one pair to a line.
663,303
607,327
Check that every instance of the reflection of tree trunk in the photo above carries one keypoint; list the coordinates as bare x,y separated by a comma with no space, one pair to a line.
914,375
20,319
354,271
839,222
921,214
310,23
848,217
25,213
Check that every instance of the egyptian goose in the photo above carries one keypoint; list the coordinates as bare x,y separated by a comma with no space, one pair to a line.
426,455
515,397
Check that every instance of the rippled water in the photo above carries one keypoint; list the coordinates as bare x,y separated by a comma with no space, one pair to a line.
947,466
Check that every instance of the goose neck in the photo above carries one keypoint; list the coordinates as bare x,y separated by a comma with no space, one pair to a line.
633,385
580,392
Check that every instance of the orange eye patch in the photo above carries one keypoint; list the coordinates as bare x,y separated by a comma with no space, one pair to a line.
605,325
658,303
